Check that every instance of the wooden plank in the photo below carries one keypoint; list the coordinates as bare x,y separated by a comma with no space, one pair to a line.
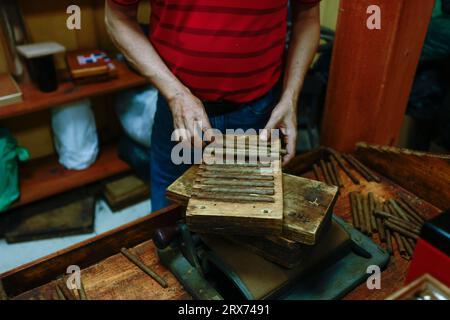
238,210
34,100
88,252
372,71
116,278
425,174
308,206
45,177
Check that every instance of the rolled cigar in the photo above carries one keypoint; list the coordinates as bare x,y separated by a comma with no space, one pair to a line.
408,247
399,212
406,224
369,172
380,224
400,245
68,295
235,176
242,165
336,172
344,168
402,231
236,182
332,175
254,154
380,229
388,240
412,207
224,190
361,215
135,259
234,170
316,172
375,177
371,199
413,214
325,172
232,197
367,217
383,214
82,291
354,210
412,243
399,217
351,161
59,293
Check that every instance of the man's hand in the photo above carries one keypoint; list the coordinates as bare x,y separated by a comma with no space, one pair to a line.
302,48
188,114
284,118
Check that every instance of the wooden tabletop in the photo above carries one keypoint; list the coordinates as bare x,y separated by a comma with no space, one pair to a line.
116,278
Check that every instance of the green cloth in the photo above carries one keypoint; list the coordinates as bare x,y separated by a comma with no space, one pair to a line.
9,172
437,42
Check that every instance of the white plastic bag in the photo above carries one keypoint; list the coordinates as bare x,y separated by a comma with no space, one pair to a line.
136,110
75,134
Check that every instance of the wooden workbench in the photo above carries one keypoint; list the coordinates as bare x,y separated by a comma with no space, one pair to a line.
108,275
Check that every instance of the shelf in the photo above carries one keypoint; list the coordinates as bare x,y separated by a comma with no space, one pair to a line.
35,100
45,177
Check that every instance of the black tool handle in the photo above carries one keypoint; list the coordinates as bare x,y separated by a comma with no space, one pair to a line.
164,236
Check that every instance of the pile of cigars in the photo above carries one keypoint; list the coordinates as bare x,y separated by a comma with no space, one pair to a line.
254,204
394,220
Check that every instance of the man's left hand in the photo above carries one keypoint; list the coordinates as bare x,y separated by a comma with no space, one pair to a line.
284,118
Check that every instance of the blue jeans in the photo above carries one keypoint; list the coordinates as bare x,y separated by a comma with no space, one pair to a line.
254,115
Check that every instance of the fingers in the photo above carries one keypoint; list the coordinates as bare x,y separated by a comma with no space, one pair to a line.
290,139
192,129
180,133
273,122
197,124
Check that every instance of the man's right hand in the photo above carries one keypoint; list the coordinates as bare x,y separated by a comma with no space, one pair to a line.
188,114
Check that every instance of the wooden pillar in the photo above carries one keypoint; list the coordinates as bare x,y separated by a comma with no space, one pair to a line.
372,71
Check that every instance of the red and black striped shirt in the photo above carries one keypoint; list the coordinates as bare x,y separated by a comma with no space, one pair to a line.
221,49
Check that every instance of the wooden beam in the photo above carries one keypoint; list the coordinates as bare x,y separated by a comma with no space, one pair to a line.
424,174
372,71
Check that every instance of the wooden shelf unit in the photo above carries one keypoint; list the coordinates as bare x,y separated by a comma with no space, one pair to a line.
45,177
35,100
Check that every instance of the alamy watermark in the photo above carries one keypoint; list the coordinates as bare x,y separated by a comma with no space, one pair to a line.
374,280
73,21
73,281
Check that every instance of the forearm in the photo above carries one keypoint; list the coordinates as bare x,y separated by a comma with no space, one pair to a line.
126,34
303,46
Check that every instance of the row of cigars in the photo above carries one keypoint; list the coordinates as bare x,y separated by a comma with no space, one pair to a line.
327,171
